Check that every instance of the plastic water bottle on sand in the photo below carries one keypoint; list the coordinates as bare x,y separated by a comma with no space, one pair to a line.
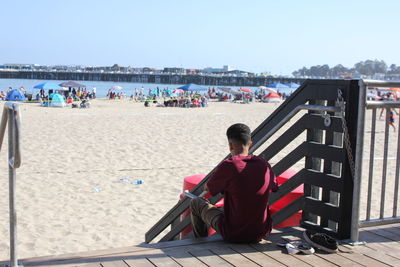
137,182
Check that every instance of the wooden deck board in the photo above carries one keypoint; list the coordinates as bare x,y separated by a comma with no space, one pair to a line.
377,255
382,249
234,258
209,258
185,259
163,260
118,263
255,256
139,262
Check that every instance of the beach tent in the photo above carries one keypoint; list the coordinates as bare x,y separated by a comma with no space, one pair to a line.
57,101
48,86
193,87
15,95
272,98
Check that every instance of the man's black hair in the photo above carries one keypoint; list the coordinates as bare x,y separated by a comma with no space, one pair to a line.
239,132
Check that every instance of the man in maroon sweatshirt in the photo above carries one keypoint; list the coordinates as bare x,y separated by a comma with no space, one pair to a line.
245,181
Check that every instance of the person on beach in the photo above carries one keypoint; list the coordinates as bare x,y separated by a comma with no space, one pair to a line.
246,182
391,118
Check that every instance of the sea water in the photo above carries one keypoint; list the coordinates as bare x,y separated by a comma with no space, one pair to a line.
101,87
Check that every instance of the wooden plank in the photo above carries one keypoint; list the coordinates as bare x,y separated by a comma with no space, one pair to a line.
308,121
327,152
338,259
277,254
184,258
70,257
379,256
118,263
234,258
379,242
393,228
325,180
97,264
384,233
162,260
139,262
322,209
363,260
255,256
290,159
209,258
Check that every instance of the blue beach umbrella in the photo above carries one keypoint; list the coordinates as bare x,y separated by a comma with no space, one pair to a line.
193,87
48,86
277,85
294,85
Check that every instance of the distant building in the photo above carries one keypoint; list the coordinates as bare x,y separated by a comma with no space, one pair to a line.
193,71
12,66
174,70
225,68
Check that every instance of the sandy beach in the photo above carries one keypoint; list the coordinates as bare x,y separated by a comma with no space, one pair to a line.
72,189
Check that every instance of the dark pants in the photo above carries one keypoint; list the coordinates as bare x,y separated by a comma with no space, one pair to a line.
204,215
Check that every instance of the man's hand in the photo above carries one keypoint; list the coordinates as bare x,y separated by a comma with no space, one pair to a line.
206,188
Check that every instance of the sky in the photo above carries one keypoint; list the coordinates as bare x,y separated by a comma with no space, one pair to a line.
275,36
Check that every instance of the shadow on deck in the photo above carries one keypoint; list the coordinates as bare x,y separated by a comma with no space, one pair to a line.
382,249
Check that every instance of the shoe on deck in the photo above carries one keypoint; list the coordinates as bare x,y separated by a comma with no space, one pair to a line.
321,241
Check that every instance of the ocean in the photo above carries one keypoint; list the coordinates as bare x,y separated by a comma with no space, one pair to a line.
101,87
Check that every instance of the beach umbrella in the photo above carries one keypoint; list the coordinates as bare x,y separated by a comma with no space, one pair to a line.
277,85
71,84
48,86
294,85
228,90
193,87
247,90
177,91
268,89
115,88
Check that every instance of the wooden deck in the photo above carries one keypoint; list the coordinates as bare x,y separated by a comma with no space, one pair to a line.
382,249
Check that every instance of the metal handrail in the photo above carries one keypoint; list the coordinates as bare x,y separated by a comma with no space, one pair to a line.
12,116
382,104
378,83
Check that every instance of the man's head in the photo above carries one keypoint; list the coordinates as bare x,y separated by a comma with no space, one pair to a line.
239,138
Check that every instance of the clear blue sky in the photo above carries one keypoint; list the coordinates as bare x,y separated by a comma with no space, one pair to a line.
278,36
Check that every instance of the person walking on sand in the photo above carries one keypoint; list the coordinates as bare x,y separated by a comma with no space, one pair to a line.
391,118
246,182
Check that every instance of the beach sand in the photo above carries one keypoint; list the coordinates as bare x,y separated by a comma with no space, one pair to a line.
72,189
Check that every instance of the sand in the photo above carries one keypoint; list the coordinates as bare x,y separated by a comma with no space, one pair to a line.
72,189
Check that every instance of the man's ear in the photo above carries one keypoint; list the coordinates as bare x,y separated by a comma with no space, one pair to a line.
230,145
250,144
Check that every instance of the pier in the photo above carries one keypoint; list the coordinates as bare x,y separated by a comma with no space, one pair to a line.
148,78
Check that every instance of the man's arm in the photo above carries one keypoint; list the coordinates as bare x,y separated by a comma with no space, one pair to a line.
218,180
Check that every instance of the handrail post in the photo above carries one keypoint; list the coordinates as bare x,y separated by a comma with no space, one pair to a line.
355,215
12,176
11,114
